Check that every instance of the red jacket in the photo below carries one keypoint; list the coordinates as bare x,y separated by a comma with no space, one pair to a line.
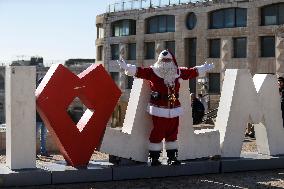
162,106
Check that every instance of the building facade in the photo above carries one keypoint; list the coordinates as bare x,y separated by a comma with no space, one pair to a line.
231,34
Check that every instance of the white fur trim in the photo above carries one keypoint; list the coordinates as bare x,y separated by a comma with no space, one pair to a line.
171,145
164,112
155,146
180,80
157,73
130,70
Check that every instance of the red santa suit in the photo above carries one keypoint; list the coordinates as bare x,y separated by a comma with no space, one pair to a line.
164,105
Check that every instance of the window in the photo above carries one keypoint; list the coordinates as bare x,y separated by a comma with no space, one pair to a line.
129,83
216,19
214,83
281,13
161,24
228,18
272,14
150,50
100,31
124,28
191,21
114,51
115,77
241,17
267,46
214,48
240,47
2,84
170,45
100,53
132,51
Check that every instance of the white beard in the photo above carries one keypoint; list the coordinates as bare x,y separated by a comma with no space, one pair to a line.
167,71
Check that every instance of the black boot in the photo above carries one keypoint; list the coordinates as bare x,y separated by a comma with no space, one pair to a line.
172,155
154,158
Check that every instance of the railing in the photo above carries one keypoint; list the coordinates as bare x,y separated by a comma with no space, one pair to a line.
210,115
145,4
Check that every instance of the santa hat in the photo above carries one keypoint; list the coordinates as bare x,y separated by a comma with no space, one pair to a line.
166,54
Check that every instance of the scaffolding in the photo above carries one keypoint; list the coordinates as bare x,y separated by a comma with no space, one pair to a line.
145,4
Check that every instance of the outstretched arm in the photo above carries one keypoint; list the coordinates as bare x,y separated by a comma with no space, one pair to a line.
129,69
189,73
132,70
204,68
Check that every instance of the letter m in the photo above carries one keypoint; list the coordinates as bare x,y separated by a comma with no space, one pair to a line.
245,99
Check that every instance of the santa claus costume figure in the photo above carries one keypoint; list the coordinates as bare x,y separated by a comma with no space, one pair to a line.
164,106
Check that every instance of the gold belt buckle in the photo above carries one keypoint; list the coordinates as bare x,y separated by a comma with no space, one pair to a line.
172,98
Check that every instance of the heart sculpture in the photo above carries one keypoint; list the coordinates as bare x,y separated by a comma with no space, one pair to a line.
98,92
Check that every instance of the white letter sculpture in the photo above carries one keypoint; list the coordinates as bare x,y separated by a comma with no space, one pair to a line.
132,142
244,99
270,132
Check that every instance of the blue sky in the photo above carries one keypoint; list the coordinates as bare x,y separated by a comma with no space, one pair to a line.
54,29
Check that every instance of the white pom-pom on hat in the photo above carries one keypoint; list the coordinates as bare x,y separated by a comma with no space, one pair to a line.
165,54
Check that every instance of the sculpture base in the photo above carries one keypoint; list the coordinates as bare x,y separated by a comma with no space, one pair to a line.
252,162
58,172
24,177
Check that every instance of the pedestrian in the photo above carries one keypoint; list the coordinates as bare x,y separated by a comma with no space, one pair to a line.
40,128
197,109
281,92
203,100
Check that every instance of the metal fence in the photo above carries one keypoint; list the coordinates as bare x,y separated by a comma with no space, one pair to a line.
145,4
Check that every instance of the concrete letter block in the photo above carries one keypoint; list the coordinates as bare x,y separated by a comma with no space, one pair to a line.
238,104
270,132
132,142
20,117
194,144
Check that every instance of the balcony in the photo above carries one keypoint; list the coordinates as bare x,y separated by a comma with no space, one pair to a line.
125,5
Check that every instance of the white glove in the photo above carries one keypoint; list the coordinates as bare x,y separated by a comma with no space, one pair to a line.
122,64
128,68
204,68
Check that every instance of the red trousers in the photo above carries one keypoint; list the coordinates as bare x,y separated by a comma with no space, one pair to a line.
164,128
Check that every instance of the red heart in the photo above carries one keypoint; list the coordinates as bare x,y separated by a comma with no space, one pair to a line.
99,94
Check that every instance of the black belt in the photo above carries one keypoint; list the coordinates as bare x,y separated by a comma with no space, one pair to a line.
158,96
